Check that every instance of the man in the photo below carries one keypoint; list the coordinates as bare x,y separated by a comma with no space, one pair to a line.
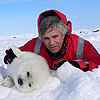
57,45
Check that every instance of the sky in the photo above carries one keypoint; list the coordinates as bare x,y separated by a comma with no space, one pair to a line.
20,16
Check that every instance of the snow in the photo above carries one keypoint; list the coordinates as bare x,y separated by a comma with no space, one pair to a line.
67,83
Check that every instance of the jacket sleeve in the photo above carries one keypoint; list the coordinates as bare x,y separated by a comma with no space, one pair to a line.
29,46
91,55
90,60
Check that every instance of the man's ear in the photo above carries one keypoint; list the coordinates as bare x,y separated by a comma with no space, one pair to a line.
63,36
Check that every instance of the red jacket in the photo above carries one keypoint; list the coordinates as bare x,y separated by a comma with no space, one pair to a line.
89,54
77,49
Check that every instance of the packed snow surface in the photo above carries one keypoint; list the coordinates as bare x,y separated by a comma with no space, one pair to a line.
67,83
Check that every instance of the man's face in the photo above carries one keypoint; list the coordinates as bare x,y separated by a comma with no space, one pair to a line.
53,40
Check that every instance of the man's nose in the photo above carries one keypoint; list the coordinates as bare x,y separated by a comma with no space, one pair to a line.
51,41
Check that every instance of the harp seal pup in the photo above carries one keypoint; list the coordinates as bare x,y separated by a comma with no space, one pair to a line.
28,71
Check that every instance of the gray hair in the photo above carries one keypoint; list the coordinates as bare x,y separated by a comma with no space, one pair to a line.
52,22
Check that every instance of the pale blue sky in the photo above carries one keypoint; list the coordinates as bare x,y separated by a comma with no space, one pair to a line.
20,16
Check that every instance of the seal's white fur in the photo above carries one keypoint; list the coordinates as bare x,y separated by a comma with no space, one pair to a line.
28,66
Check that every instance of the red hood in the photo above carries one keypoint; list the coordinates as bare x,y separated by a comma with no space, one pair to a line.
58,14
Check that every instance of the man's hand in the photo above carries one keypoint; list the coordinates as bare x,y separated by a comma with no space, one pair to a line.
83,65
10,56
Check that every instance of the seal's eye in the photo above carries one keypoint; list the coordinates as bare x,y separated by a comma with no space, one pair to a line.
29,85
20,81
28,74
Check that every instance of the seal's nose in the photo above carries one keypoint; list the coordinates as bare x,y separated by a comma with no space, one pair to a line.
20,81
